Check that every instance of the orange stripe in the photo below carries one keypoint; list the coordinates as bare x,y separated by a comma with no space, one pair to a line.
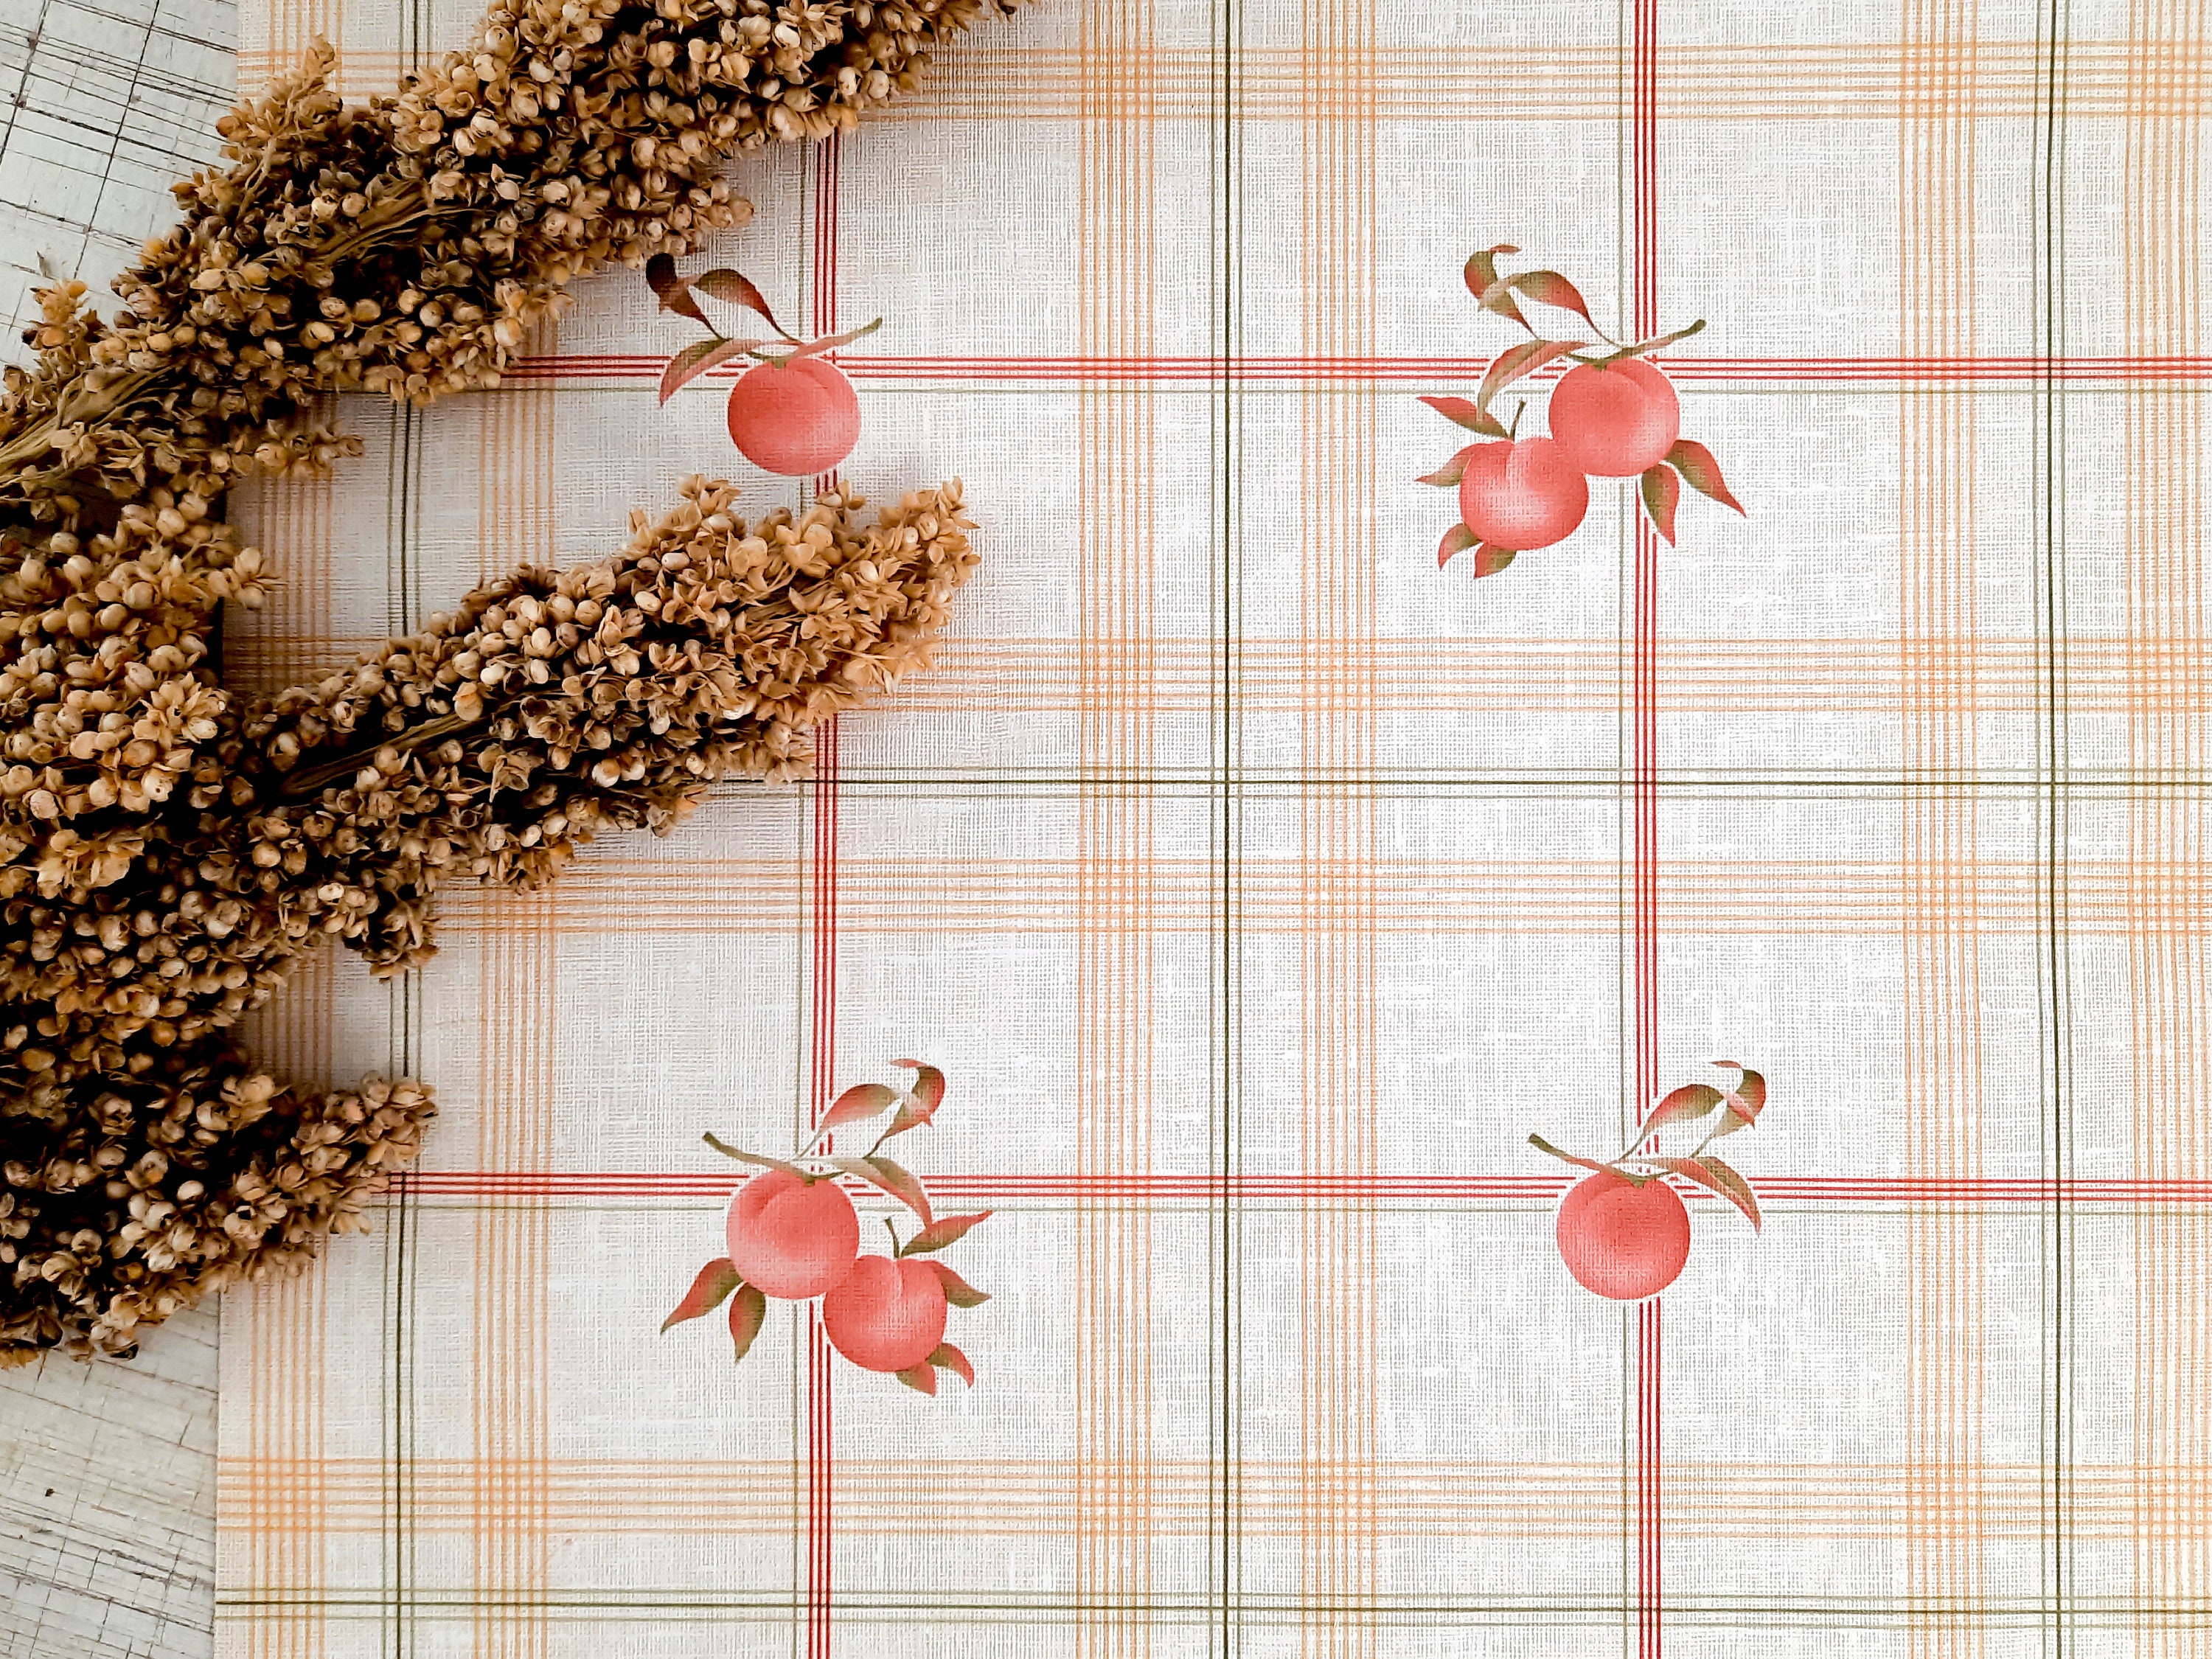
1424,1498
1942,876
1005,79
1113,875
2162,524
1335,906
1526,676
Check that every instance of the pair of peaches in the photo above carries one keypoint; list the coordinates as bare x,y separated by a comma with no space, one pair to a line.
1614,420
1614,415
793,1234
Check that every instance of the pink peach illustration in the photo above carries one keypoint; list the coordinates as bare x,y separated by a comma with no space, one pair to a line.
1615,420
797,419
793,412
886,1315
793,1232
1624,1231
1520,495
1621,1238
793,1237
1614,415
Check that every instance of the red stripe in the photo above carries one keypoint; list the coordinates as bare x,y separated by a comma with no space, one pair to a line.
821,1428
820,1422
1648,1530
1644,323
1773,1190
1429,373
829,159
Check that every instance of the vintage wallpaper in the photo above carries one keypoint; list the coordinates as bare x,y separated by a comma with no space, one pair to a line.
1312,802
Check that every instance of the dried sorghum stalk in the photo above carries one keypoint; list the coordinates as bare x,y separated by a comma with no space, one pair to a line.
166,848
145,1160
405,245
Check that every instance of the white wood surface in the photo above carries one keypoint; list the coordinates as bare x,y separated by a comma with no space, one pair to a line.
107,1469
108,1501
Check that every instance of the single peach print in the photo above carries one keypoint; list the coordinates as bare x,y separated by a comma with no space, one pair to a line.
886,1315
1520,495
790,1236
1615,421
796,419
1623,1239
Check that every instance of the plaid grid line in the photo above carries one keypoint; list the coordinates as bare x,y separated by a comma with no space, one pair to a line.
1770,80
2027,845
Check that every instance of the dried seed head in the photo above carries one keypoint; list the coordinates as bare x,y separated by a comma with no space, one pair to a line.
162,863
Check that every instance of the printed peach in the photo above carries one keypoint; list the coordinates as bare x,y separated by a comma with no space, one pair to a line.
791,1237
886,1315
1520,495
1623,1240
1616,421
797,419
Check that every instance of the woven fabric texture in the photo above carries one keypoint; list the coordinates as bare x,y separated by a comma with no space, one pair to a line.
1260,886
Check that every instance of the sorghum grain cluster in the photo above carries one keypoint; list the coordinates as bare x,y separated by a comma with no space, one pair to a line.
167,849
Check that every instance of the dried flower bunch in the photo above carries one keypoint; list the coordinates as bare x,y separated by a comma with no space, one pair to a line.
166,847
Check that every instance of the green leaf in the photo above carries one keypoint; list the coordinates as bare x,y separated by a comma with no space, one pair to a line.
671,290
1734,1187
922,1100
1746,1101
1549,288
864,1100
1457,539
715,1281
1447,476
784,1165
1480,274
1545,287
1702,472
1684,1105
728,285
948,1357
879,1171
1657,342
1490,559
1515,362
1460,412
957,1290
831,341
922,1378
696,359
1709,1172
1661,494
938,1234
747,1314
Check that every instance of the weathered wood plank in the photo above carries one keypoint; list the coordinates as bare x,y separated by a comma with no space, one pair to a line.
108,1501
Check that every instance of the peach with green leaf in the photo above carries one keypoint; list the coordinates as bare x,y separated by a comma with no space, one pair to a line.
1612,415
1515,496
794,418
793,412
1624,1231
886,1315
1623,1238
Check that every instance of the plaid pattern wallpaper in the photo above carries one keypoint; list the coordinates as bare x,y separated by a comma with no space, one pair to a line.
1261,886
